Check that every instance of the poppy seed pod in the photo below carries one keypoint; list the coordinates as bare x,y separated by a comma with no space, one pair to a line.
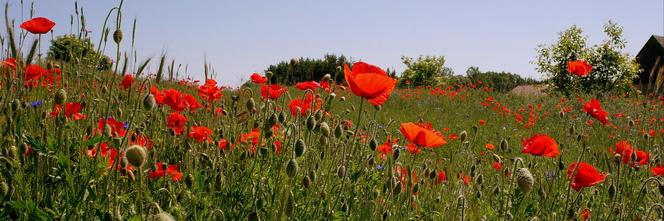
373,144
312,176
463,136
504,145
325,129
524,179
117,36
306,182
612,191
631,123
136,155
251,104
16,105
290,205
397,188
338,131
272,120
300,147
149,102
291,168
61,96
572,130
282,117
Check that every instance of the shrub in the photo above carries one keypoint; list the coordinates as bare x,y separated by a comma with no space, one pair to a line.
425,70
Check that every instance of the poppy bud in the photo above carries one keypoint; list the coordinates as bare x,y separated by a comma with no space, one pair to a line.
474,129
373,144
617,158
612,191
416,188
149,102
385,215
251,104
397,188
282,117
396,154
136,156
633,156
189,181
480,179
341,171
60,96
572,130
322,141
524,179
495,190
646,136
164,216
117,36
325,129
561,114
661,188
333,95
300,147
463,135
311,123
312,176
631,123
290,205
371,162
4,189
338,131
342,98
272,120
306,182
497,158
326,78
561,164
504,145
291,168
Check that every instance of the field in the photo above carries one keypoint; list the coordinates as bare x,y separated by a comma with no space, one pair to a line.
79,143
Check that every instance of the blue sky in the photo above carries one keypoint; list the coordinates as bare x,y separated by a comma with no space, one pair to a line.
241,37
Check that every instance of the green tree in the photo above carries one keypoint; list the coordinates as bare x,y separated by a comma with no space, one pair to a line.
425,70
307,69
70,48
500,81
612,69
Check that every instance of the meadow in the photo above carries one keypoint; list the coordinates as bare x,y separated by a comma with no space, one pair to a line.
79,143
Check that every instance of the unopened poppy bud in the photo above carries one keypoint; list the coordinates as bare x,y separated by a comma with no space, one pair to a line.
4,189
322,141
561,164
342,98
572,130
631,123
504,145
524,179
480,179
646,136
338,131
136,155
371,162
117,36
189,181
561,114
326,78
311,123
497,158
312,176
378,107
272,120
341,171
397,152
333,95
617,158
306,182
290,205
16,105
463,135
373,144
282,117
251,104
324,129
149,102
300,147
291,168
61,96
612,191
397,188
661,188
474,129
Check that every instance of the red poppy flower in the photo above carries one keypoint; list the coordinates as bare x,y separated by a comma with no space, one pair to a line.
272,92
158,95
176,122
127,81
384,149
142,139
72,110
624,149
307,85
277,147
657,171
422,135
413,149
32,75
465,178
441,177
9,62
490,146
482,122
252,136
209,91
540,145
304,105
585,175
38,25
223,144
117,127
594,108
172,171
369,82
579,68
173,98
200,133
585,214
642,158
497,165
191,102
258,79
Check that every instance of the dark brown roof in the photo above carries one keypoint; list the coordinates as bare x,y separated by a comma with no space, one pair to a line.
647,57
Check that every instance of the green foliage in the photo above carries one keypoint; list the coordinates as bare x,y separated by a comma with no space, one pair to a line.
612,70
425,70
70,48
307,69
500,81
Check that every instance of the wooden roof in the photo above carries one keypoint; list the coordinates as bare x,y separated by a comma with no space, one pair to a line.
647,57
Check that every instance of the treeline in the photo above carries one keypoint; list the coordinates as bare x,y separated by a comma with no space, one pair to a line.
500,81
308,69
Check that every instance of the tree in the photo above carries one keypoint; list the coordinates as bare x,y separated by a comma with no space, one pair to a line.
612,70
425,70
70,48
307,69
500,81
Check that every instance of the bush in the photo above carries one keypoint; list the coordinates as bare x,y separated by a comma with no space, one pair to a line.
70,48
425,70
612,70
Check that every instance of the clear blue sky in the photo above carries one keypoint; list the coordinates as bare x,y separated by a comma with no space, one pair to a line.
241,37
